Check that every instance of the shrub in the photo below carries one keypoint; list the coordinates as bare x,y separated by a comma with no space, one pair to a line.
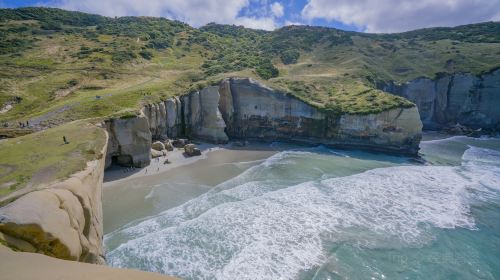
160,43
146,54
123,56
289,56
266,70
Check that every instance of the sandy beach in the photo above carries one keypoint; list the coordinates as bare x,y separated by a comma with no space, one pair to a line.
141,192
176,158
14,264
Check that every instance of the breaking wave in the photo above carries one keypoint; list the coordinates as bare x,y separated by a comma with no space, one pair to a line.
278,218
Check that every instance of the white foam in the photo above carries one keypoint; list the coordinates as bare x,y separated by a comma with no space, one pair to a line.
482,155
483,167
252,227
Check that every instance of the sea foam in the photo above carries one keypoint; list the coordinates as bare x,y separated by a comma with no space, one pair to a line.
260,225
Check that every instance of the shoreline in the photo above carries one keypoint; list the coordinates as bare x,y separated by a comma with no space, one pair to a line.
115,173
119,174
172,184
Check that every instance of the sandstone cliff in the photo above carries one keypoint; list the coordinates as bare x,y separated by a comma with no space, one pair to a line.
129,141
63,220
243,108
202,117
252,110
450,99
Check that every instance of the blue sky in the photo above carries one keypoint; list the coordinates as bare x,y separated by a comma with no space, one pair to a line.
358,15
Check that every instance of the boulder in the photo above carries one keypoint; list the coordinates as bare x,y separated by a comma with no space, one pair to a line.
180,143
191,150
168,145
155,153
158,146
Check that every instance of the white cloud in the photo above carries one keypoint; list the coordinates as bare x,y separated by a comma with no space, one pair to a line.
265,23
402,15
277,9
194,12
288,22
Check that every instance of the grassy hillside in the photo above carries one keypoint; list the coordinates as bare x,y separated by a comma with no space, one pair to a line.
57,66
42,157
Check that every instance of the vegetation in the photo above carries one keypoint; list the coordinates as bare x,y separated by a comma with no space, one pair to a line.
61,67
45,156
56,62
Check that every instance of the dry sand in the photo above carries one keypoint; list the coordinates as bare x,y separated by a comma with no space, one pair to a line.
29,266
134,194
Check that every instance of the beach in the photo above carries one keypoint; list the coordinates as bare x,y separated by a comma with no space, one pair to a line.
141,192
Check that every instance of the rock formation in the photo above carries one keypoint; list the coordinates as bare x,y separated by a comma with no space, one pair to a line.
159,146
63,220
252,110
462,98
129,141
241,108
191,150
202,117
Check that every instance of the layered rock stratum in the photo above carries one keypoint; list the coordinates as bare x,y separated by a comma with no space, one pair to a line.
464,98
63,219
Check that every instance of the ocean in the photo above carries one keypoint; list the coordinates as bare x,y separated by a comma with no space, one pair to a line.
318,213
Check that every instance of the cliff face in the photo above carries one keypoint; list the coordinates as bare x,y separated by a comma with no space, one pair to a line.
450,99
129,141
63,220
202,117
243,108
252,110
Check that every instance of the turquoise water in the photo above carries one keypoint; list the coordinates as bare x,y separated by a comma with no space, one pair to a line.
318,213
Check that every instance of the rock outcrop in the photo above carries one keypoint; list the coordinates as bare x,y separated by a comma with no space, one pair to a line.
241,108
202,117
462,98
63,220
129,141
252,110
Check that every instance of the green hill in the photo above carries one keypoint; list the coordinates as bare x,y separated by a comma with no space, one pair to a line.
57,66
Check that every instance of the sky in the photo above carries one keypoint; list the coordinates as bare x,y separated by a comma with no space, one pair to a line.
378,16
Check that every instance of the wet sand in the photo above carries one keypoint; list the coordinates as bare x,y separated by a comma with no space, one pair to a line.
131,194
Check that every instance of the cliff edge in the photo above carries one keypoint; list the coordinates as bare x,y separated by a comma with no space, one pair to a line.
61,219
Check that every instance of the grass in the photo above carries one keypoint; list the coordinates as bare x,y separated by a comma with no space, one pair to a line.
42,157
46,50
324,67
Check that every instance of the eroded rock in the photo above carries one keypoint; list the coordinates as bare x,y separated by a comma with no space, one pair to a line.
158,146
192,150
463,98
63,220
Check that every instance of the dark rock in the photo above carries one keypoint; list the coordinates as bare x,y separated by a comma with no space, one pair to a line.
192,150
180,143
